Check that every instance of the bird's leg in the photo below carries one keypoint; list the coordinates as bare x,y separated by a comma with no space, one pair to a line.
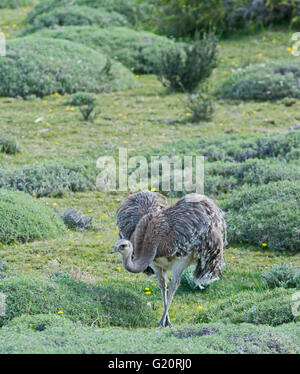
173,287
162,278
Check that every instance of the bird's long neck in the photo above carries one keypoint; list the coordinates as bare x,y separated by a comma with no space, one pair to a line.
132,267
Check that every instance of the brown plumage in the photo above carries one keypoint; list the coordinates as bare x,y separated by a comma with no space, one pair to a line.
160,237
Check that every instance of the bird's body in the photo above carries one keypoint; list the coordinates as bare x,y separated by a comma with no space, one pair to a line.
161,238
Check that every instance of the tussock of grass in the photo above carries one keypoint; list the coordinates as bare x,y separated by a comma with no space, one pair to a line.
22,219
78,301
261,308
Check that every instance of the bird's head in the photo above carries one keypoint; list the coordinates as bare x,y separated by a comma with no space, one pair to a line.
122,246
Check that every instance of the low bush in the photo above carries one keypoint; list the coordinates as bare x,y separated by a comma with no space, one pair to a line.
282,275
87,103
14,3
225,176
77,301
80,16
75,220
262,82
22,219
9,145
82,98
266,308
239,148
201,105
133,10
184,68
265,214
48,179
28,70
138,50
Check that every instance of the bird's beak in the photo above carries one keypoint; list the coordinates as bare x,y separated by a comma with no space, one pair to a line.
114,250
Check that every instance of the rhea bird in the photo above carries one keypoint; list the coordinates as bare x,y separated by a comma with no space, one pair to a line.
156,238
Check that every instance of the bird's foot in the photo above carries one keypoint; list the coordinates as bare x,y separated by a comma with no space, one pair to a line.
165,322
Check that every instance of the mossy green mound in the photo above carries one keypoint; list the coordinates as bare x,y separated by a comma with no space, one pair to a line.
262,82
133,10
267,214
261,308
138,50
81,15
77,301
23,219
38,66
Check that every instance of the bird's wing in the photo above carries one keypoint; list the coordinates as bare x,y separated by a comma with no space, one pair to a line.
193,222
135,207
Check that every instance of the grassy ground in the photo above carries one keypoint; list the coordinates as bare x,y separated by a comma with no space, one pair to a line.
137,119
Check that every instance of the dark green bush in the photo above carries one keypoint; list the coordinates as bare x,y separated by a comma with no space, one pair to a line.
282,275
14,3
132,9
80,16
82,98
8,145
22,219
28,69
265,214
138,50
173,17
75,220
80,302
267,308
262,82
47,179
87,103
184,68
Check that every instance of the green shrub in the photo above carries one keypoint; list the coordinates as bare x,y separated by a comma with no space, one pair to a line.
9,145
75,220
78,301
282,275
80,16
173,17
265,214
262,82
22,219
184,68
201,105
28,70
14,3
132,9
187,279
225,176
87,103
138,50
82,98
238,147
267,308
48,179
